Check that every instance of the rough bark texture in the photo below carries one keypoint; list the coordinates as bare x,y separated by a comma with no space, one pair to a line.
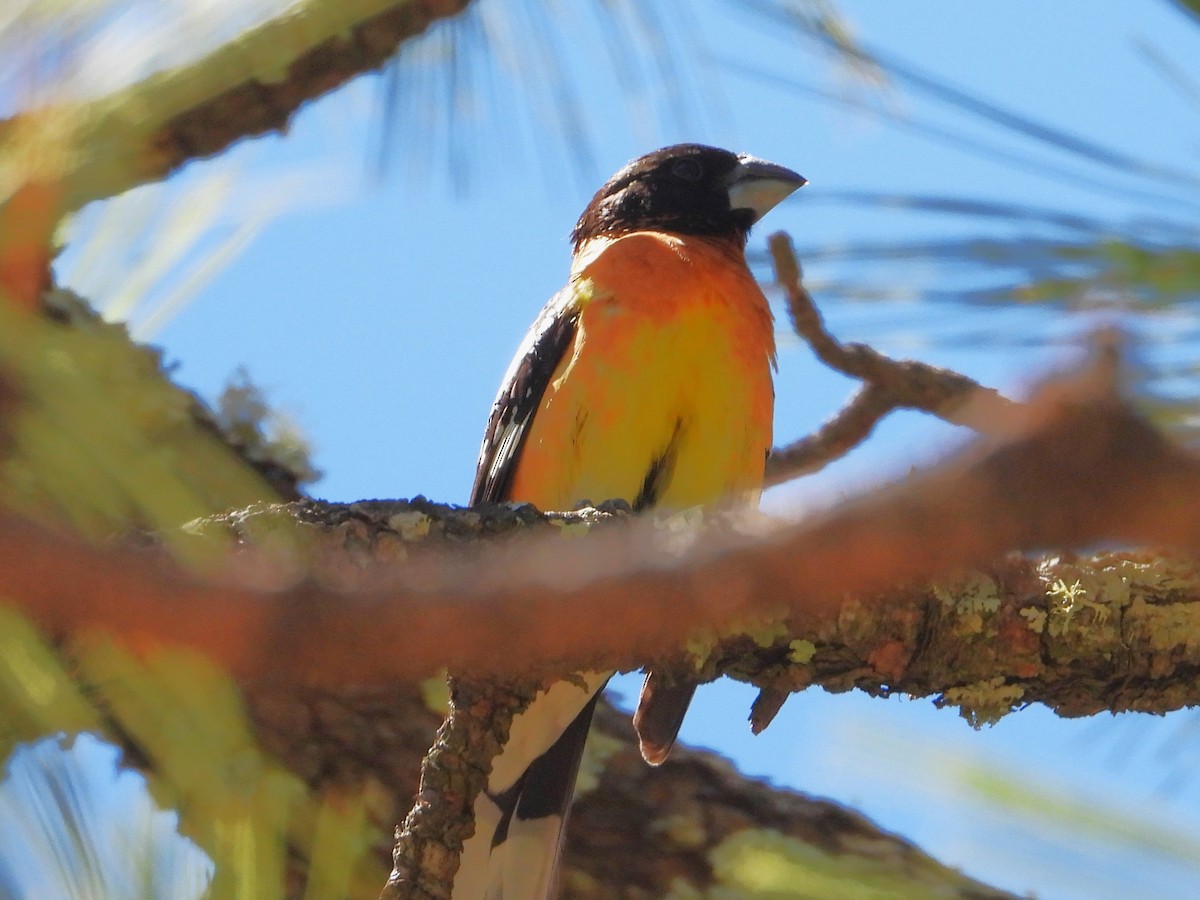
428,844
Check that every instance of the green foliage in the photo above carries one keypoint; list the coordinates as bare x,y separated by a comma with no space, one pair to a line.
99,439
263,435
185,719
37,696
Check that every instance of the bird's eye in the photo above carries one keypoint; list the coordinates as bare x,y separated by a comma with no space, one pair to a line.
688,170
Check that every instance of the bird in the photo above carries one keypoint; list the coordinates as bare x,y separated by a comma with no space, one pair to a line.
647,378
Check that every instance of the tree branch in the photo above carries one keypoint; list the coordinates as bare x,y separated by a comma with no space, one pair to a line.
249,86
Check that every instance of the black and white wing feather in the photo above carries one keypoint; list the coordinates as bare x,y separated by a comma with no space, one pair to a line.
520,396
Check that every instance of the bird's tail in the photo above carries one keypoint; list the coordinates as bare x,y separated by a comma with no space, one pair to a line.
660,711
520,819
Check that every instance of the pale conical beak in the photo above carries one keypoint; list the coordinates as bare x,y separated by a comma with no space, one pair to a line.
758,186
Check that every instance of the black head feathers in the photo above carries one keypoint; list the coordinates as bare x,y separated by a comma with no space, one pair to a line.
687,189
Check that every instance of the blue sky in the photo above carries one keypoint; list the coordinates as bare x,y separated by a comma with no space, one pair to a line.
379,312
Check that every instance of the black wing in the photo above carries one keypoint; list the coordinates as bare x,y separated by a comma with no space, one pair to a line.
520,396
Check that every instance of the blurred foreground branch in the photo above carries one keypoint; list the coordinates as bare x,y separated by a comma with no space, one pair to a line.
247,87
335,595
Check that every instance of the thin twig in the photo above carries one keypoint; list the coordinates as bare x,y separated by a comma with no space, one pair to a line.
889,384
833,440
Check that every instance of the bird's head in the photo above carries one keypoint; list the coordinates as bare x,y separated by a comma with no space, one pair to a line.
687,189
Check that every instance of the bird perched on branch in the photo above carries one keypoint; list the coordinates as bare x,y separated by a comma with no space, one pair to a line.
647,378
